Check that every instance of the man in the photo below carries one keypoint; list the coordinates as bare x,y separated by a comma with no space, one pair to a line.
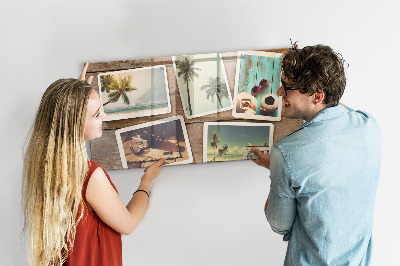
325,174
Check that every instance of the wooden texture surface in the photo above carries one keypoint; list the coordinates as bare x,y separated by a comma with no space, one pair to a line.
104,150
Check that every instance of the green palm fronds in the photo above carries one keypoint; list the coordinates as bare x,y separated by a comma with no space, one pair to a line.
216,87
214,141
188,72
105,82
223,151
118,87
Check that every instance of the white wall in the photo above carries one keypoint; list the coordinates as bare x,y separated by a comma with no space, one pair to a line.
199,215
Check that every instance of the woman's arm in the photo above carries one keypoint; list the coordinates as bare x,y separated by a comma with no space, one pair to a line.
108,205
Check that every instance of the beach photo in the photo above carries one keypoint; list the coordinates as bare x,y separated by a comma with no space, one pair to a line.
231,141
134,92
203,84
257,80
142,145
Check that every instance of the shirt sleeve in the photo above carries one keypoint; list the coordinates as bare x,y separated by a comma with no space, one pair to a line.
281,210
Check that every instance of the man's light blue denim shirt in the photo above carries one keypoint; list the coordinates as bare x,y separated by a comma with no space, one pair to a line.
324,178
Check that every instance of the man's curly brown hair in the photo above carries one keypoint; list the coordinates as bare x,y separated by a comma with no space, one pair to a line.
316,69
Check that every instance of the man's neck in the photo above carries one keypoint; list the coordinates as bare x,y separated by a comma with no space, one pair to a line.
318,108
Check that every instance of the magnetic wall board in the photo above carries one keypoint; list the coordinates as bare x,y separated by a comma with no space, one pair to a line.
171,108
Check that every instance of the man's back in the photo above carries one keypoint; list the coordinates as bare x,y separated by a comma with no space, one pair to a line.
328,172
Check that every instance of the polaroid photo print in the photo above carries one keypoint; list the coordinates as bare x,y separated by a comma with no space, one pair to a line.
134,92
142,145
202,84
258,78
231,141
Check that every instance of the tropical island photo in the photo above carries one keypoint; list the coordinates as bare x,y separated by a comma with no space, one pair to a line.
230,141
134,93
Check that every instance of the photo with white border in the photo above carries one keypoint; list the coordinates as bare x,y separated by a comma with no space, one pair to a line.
231,141
203,84
257,80
142,145
134,92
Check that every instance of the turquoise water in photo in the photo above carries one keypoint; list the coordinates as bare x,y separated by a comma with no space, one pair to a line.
131,109
229,157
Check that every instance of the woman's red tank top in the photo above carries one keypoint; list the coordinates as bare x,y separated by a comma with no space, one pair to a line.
95,242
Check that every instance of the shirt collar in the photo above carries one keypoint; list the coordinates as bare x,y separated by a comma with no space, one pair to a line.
326,114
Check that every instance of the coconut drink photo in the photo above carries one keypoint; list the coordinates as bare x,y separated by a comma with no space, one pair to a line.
257,81
270,102
245,102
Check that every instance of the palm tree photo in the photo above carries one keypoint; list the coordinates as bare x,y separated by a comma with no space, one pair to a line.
223,151
214,141
188,72
116,88
216,87
106,82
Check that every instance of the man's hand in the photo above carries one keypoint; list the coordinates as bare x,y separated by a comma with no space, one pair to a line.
263,159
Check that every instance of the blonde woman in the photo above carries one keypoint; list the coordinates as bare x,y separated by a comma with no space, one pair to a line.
73,213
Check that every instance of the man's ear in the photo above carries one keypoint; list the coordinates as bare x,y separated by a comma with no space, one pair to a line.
318,97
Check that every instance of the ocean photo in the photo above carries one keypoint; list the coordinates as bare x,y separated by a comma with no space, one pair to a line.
134,93
230,141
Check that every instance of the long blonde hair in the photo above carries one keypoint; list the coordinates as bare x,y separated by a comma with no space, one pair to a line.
55,167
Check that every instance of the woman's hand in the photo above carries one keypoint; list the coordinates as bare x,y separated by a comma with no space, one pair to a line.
83,74
151,172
